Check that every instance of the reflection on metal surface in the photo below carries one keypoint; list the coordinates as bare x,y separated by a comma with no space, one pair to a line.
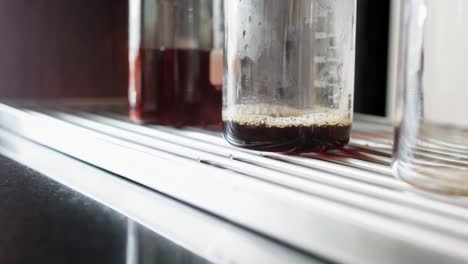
344,206
205,235
146,247
132,243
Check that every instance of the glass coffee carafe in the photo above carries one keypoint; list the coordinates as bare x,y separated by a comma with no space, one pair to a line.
175,61
289,74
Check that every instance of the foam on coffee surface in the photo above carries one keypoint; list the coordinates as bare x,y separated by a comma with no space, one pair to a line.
285,116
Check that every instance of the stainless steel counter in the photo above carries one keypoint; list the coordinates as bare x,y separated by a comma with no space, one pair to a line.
343,206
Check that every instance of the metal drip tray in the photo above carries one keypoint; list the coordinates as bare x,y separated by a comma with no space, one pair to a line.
343,206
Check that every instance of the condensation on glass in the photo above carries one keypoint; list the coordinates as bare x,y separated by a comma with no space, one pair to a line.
175,61
289,74
431,146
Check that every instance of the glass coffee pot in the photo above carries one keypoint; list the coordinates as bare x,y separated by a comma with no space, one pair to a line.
289,74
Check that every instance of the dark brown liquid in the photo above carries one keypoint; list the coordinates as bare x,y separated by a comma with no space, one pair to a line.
173,88
308,138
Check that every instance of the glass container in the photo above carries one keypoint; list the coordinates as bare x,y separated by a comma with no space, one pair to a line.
289,74
175,61
431,143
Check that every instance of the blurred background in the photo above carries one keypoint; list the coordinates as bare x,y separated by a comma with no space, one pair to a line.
57,48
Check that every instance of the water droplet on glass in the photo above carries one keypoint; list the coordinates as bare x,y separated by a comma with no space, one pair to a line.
250,19
243,33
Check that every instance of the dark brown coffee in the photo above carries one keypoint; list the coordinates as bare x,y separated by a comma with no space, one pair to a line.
172,87
301,133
